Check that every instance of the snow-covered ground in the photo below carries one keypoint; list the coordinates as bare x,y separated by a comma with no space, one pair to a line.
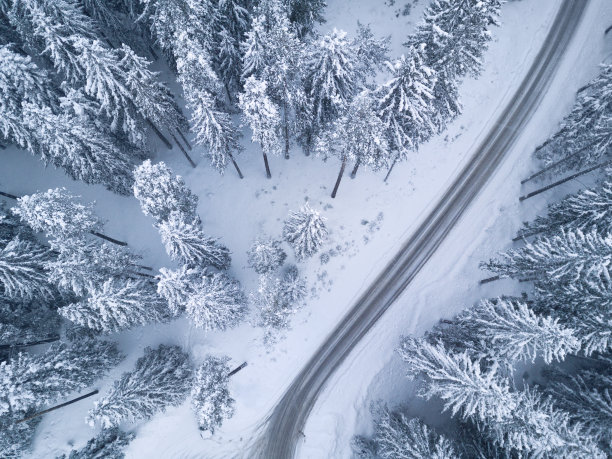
368,221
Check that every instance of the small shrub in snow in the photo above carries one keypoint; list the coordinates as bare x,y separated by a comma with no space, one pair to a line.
265,255
306,231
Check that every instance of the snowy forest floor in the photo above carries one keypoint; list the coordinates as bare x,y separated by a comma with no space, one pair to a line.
368,221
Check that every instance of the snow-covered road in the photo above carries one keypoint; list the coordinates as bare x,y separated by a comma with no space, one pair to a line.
288,418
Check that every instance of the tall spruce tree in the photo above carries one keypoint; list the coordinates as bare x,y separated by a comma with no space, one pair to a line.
161,378
306,231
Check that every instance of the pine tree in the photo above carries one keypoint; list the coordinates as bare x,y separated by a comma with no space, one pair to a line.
254,49
265,255
584,210
187,242
210,397
586,401
160,192
459,381
84,151
332,81
304,14
506,332
358,136
215,130
177,286
84,264
35,381
455,35
283,70
57,213
306,231
23,270
371,53
116,305
162,378
566,257
16,439
584,136
108,444
262,116
405,103
397,436
278,300
153,99
216,302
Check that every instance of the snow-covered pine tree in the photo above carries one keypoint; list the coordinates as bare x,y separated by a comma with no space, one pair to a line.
278,300
215,130
253,49
459,381
585,134
306,231
505,332
587,398
82,149
284,66
262,116
455,35
50,28
27,322
57,213
118,304
16,439
210,397
162,378
405,103
359,135
152,98
332,79
216,302
108,444
36,381
185,241
397,436
371,53
305,14
538,429
177,286
233,22
23,270
566,257
160,192
84,264
584,306
265,255
584,210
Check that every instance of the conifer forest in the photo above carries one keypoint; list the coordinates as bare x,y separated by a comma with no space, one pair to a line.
374,229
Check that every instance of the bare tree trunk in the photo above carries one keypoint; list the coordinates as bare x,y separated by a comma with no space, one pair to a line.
159,134
489,279
566,179
61,405
354,172
184,151
31,343
333,195
286,130
236,166
390,169
184,139
108,238
265,157
553,165
237,369
608,30
8,195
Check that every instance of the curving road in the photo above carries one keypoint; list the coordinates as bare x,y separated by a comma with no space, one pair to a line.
288,417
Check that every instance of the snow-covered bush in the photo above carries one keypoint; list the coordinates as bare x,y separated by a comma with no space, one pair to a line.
306,231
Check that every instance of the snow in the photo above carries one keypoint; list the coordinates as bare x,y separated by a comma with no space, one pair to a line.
367,221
